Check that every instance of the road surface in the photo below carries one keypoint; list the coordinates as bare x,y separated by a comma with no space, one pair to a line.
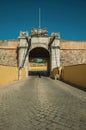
42,104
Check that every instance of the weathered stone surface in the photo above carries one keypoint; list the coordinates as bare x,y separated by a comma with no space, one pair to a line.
8,52
8,57
73,57
66,44
3,43
39,32
13,43
71,52
8,43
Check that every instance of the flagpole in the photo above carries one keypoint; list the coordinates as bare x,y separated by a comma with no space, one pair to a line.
39,18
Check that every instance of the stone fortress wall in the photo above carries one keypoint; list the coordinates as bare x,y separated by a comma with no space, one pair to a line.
8,61
8,52
71,52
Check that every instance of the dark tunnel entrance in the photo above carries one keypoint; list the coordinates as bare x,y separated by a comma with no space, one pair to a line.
39,62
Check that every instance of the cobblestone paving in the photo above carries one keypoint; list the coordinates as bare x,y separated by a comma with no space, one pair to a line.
42,104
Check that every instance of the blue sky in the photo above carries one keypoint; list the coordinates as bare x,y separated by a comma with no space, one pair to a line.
65,16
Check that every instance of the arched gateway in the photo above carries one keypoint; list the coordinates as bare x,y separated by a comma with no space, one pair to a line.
38,45
39,61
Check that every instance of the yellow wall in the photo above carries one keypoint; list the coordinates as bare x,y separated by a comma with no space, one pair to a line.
23,73
8,74
39,68
75,74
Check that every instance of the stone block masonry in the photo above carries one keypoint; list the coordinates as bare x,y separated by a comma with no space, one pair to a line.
42,104
72,52
8,56
8,61
8,52
73,57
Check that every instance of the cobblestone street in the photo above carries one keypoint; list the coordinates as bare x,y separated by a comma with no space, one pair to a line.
42,104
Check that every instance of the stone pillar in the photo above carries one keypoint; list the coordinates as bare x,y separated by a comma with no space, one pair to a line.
22,54
19,74
26,66
55,51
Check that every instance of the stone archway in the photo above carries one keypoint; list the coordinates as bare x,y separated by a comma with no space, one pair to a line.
38,46
39,61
